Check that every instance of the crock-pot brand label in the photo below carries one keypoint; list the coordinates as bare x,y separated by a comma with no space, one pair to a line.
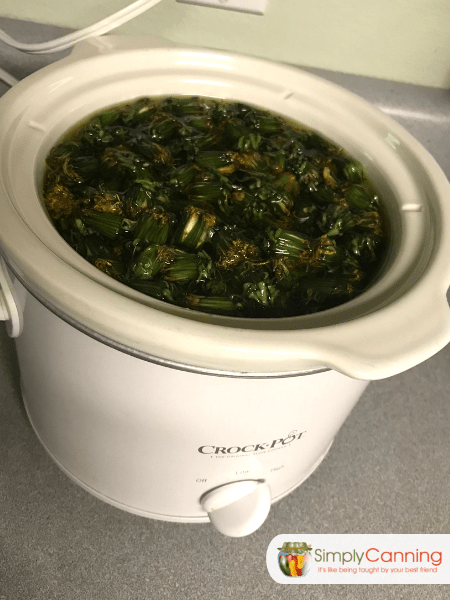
257,448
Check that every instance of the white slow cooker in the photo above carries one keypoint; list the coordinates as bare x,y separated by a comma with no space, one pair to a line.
180,415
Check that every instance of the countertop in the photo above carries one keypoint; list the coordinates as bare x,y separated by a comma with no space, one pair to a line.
387,472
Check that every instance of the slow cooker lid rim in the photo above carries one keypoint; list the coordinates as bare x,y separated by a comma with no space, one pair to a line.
336,87
255,59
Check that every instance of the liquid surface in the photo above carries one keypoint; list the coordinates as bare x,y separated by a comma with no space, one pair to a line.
216,206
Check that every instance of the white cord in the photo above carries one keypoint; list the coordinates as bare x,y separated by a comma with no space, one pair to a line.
67,41
7,78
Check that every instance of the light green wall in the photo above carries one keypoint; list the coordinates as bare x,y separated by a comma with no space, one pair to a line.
402,40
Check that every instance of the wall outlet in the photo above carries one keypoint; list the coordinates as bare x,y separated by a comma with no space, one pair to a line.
255,7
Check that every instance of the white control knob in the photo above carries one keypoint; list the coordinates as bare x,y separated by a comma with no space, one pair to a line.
238,509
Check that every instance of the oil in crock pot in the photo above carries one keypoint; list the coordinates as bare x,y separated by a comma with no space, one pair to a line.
217,206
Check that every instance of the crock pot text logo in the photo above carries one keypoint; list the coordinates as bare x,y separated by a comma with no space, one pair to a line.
263,446
374,555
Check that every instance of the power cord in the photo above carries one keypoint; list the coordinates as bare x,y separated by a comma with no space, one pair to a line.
7,78
67,41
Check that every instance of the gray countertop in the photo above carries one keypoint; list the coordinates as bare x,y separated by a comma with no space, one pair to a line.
387,472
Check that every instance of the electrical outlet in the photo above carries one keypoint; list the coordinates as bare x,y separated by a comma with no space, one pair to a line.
255,7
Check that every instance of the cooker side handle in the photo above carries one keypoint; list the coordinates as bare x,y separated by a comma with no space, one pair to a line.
10,310
394,339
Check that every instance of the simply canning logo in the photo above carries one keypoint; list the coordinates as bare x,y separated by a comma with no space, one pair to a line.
360,559
294,559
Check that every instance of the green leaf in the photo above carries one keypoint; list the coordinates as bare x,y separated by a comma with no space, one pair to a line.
154,227
354,171
358,197
185,267
108,224
211,304
157,289
196,227
148,263
290,243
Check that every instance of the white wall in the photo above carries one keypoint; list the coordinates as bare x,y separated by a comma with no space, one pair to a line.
402,40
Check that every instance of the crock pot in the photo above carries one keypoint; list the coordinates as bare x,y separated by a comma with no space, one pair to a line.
184,416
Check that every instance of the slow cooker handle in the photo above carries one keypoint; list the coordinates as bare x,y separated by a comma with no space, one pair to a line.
388,341
10,311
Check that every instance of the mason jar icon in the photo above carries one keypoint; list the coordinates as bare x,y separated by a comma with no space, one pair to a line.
294,559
